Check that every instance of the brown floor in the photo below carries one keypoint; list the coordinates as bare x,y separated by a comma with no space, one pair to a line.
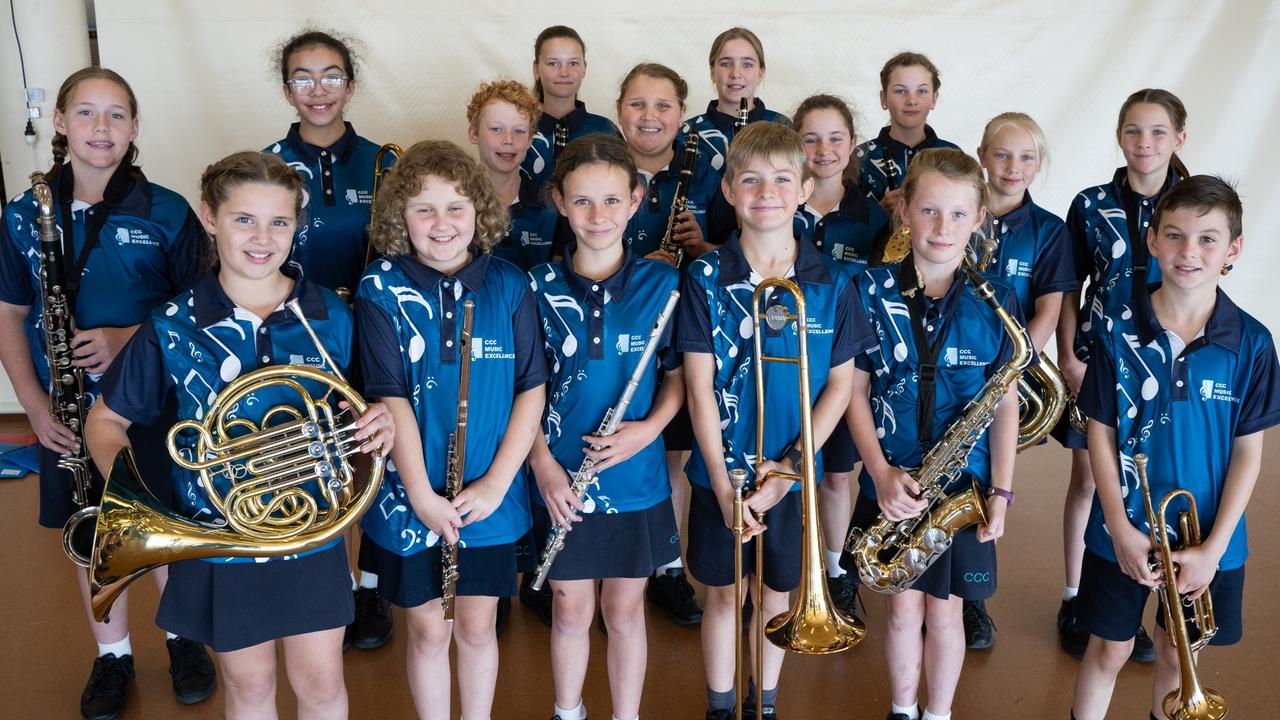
48,651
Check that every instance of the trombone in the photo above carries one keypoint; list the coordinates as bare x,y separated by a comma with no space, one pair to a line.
813,625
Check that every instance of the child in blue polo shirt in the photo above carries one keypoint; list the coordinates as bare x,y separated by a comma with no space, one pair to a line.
319,79
909,84
133,244
500,124
927,314
1031,256
1105,227
598,306
231,322
559,67
435,219
765,180
1190,380
737,69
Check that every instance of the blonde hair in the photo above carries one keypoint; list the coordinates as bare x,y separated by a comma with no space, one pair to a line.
405,179
505,90
1022,121
736,33
950,163
774,142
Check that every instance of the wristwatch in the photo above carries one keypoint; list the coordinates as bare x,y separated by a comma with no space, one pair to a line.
795,456
1006,494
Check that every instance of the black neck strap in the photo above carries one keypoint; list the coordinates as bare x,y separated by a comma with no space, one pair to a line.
926,350
117,188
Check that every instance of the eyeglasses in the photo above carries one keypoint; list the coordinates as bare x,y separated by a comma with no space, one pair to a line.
306,84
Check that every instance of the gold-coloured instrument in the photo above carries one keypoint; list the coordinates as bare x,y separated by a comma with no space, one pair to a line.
680,203
1191,701
813,625
896,247
457,461
274,467
378,171
891,556
67,399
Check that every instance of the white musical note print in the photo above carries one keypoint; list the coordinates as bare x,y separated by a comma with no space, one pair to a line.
410,296
892,309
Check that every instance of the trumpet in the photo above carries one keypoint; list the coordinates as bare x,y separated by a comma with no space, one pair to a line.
1191,701
267,511
813,625
378,171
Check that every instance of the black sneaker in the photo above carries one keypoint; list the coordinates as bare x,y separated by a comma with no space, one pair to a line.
844,595
539,601
1144,651
749,711
104,695
897,716
504,615
673,593
372,627
191,670
1071,634
978,628
720,715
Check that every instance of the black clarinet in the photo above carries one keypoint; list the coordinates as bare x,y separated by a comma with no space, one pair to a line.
680,202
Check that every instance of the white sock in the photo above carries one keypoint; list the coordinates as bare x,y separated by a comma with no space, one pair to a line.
368,579
662,569
1069,592
576,713
170,636
931,716
120,648
833,564
912,712
353,581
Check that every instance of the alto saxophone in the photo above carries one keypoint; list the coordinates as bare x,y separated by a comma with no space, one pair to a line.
608,426
680,202
457,462
891,556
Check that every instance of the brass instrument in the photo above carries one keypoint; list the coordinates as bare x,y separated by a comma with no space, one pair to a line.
680,203
268,510
891,556
612,418
744,110
899,242
561,137
67,398
1190,701
457,462
813,625
378,171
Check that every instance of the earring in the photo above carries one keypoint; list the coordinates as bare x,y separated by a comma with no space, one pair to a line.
1226,269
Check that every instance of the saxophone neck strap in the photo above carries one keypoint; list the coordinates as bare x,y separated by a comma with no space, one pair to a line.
118,187
929,319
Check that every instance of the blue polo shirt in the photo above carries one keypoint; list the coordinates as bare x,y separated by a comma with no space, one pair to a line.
533,228
332,233
1183,406
715,317
594,335
971,343
149,249
410,320
712,212
196,344
540,159
849,232
1031,254
715,129
1107,230
875,153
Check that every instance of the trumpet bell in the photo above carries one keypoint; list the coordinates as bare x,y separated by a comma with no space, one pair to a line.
814,626
1209,705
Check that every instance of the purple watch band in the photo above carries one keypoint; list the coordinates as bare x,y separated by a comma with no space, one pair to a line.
1006,494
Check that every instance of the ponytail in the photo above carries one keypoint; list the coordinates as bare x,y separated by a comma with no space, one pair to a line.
552,33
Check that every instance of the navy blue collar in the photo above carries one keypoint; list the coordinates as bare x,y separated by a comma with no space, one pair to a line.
1017,217
615,284
734,267
1224,327
341,149
930,139
530,194
471,275
211,304
137,195
1128,197
854,205
909,281
572,121
725,122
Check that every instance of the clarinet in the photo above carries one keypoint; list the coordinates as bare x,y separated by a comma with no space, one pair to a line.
561,137
612,418
741,121
457,463
680,203
67,398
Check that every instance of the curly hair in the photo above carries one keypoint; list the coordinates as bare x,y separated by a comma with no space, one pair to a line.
445,160
222,177
506,90
312,38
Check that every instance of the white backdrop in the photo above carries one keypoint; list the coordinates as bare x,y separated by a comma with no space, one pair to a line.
203,72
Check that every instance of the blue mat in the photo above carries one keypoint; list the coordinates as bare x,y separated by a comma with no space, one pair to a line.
18,460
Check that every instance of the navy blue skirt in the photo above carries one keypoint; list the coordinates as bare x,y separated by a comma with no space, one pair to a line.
410,581
613,545
1067,436
231,606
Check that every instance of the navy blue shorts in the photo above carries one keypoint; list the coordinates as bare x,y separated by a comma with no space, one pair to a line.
231,606
1110,603
1067,436
410,581
711,544
967,569
613,545
677,436
839,454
